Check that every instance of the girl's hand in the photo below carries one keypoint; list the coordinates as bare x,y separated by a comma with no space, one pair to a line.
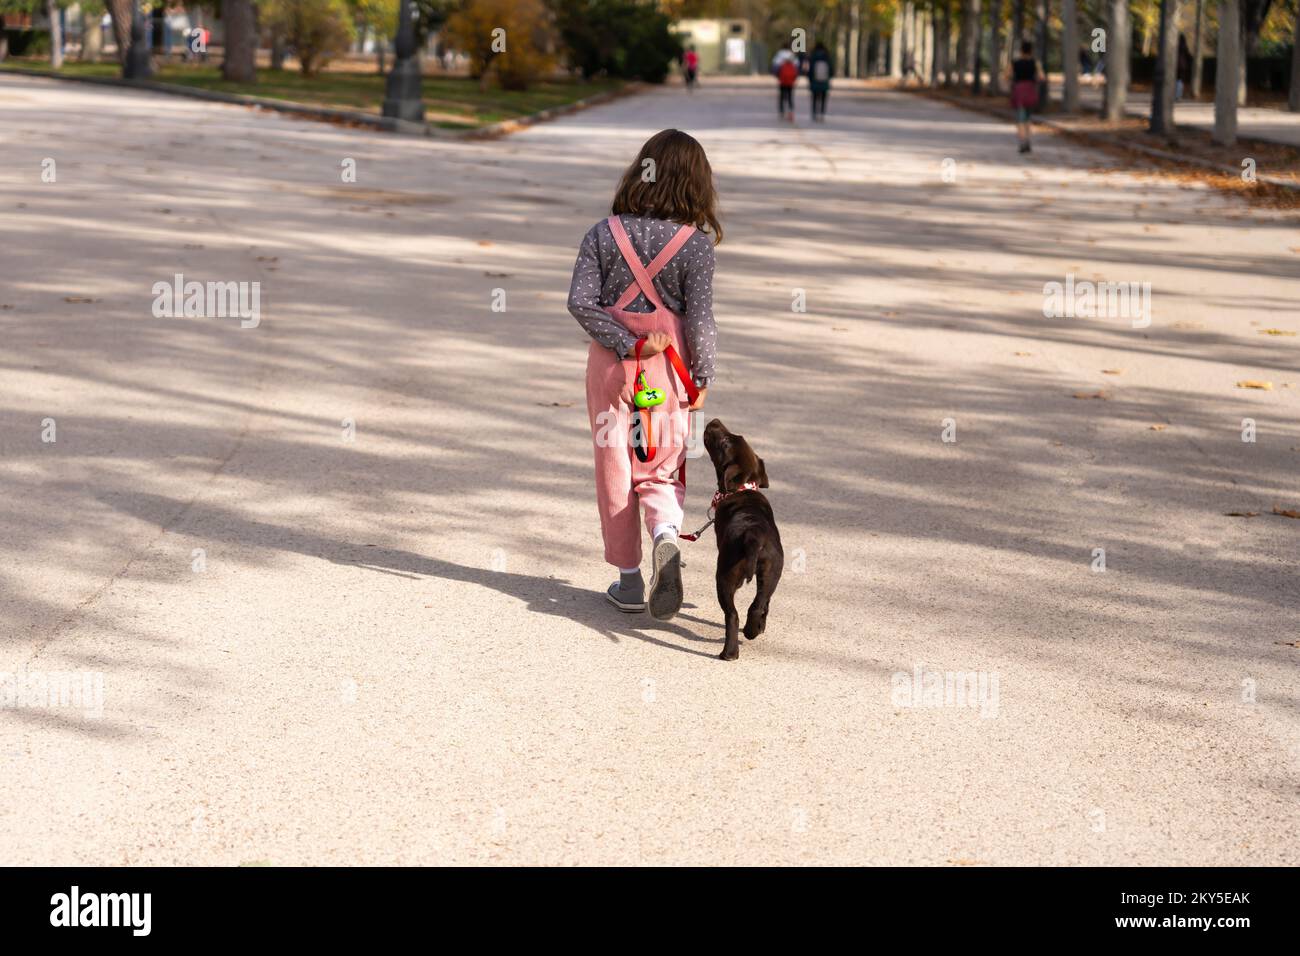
699,399
655,343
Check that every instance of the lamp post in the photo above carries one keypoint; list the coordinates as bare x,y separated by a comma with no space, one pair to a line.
137,65
402,98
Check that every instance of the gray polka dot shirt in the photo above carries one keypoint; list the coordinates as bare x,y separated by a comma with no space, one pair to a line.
685,284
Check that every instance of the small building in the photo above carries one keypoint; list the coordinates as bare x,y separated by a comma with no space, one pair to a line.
724,46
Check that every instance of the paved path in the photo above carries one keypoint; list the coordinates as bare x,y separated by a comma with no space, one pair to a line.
1253,122
397,651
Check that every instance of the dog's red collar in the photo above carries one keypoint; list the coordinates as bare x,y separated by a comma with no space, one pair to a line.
721,496
718,498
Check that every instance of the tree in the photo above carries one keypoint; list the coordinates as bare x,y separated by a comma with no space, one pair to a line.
1198,50
92,38
56,34
240,62
119,11
316,29
1117,56
1293,94
995,48
1227,67
1166,74
508,37
1070,55
617,37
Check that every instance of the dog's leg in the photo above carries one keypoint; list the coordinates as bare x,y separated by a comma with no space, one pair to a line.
767,574
727,583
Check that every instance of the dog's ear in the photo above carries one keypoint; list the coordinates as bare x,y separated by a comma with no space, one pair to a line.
762,474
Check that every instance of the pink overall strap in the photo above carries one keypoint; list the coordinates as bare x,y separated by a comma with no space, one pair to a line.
642,277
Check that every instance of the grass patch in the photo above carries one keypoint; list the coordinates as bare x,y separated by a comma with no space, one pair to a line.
454,102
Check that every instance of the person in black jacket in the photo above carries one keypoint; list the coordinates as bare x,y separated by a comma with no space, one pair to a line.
820,70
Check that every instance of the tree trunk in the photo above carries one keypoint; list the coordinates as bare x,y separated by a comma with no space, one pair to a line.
120,12
1118,37
277,49
977,31
240,62
1293,93
945,45
1226,70
92,37
56,35
1198,50
1044,17
1070,55
963,40
1017,26
995,48
896,47
1166,75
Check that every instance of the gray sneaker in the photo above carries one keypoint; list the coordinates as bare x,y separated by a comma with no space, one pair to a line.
628,593
666,583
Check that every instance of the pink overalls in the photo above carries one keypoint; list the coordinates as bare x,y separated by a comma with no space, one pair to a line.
623,481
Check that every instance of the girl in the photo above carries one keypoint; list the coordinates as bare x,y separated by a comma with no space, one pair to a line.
645,276
1024,91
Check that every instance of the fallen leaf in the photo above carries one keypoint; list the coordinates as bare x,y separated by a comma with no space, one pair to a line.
1102,395
1158,428
1112,371
1241,514
556,404
1024,354
839,328
497,275
485,242
1254,383
268,258
1288,643
79,299
1286,512
1275,332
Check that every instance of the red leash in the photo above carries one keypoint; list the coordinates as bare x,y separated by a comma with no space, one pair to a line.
692,393
718,498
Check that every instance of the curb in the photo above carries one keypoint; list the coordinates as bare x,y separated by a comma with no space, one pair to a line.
327,114
1180,159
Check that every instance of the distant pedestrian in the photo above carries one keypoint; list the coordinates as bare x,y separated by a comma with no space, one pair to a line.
786,70
820,70
1184,67
691,66
1024,77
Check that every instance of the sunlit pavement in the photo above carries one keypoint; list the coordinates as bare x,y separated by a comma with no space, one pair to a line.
340,572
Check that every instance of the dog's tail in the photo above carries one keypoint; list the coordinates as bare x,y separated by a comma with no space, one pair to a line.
753,542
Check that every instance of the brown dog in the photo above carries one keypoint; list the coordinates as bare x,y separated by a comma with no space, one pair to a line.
748,543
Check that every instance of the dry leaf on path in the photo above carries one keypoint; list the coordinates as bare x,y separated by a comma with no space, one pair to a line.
79,299
1241,514
1102,395
1286,512
1112,371
1255,383
1275,332
1158,428
1023,354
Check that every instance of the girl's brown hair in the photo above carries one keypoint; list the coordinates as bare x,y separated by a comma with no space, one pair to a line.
677,185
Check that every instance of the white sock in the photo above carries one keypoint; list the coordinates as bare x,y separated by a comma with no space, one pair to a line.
662,529
629,570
